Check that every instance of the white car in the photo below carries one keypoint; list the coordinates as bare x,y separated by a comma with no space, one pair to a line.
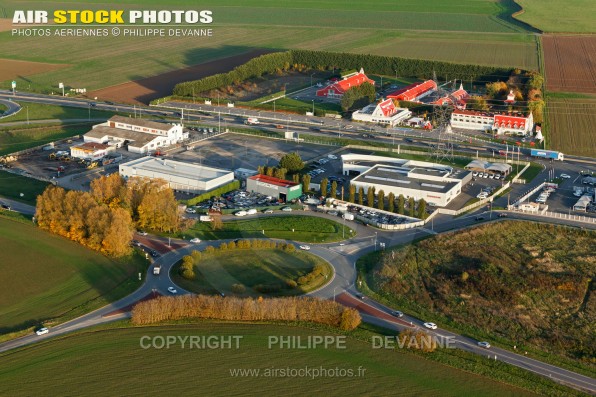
42,331
430,325
474,173
332,156
195,240
482,196
497,177
172,290
305,247
191,211
268,212
286,209
241,213
565,176
486,345
492,176
142,233
251,211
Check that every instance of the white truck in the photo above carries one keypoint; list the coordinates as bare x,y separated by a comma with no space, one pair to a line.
252,121
156,270
348,217
205,218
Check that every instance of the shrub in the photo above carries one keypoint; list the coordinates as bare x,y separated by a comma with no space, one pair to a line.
238,288
291,284
209,249
267,288
188,274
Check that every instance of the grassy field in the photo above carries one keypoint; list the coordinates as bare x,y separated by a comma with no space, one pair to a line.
577,16
571,125
89,359
11,186
518,283
46,278
14,139
38,111
465,31
309,229
217,272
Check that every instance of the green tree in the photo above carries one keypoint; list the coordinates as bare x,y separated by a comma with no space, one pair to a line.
292,162
391,202
352,195
370,192
296,178
411,206
361,195
305,183
269,171
261,169
535,81
324,183
333,193
422,209
381,198
477,103
401,204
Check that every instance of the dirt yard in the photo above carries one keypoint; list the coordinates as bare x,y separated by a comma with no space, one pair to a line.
145,90
10,69
5,24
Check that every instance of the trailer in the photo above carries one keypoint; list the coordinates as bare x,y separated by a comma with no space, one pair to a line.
547,154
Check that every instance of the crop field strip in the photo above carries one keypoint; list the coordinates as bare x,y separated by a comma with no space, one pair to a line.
571,125
554,16
570,63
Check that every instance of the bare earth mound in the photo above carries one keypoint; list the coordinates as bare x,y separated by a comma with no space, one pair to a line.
570,63
11,69
145,90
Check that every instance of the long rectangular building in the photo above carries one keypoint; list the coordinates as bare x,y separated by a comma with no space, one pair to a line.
279,188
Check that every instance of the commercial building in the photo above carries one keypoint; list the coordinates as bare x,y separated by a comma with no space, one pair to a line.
437,184
185,177
414,92
138,135
337,89
274,187
384,112
90,151
516,124
484,166
456,98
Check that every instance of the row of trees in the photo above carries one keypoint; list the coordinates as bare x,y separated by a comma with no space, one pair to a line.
245,309
389,203
305,59
104,218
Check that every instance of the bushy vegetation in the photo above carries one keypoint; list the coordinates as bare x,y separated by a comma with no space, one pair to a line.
247,309
228,187
527,284
104,218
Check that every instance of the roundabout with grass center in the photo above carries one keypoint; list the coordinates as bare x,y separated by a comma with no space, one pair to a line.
253,271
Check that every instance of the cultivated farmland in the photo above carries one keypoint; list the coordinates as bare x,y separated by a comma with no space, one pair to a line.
570,63
572,16
86,363
571,125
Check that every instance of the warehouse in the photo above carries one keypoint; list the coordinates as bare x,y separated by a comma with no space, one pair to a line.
185,177
337,89
90,151
435,183
274,187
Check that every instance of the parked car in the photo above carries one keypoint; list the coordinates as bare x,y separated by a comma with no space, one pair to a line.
195,240
397,313
172,290
485,345
142,232
136,243
268,211
360,296
251,211
502,215
191,211
42,331
154,253
332,156
430,325
565,176
241,213
305,247
479,218
286,209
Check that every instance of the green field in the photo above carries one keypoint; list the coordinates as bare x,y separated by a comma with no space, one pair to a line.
464,31
83,364
38,111
571,125
217,272
575,16
47,278
11,186
309,229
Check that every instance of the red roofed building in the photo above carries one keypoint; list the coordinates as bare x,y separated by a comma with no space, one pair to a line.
384,112
414,92
499,123
518,124
456,98
337,89
279,188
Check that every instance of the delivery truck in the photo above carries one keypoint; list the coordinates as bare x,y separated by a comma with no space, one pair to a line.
547,154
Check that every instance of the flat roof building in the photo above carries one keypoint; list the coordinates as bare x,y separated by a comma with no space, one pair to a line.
279,188
384,112
90,151
186,177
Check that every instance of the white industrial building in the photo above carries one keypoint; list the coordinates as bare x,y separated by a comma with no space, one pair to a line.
437,184
141,136
500,124
186,177
384,112
90,151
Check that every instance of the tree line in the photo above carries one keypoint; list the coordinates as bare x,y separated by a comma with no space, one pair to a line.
325,60
245,309
104,219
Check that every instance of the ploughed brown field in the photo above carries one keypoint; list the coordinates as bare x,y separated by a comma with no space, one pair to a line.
10,69
570,62
145,90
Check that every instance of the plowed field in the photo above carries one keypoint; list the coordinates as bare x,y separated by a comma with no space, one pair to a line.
570,63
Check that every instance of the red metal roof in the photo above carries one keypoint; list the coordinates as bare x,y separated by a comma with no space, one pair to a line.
505,118
413,91
273,180
343,85
387,107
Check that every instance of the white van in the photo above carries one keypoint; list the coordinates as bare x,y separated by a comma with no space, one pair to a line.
251,211
241,213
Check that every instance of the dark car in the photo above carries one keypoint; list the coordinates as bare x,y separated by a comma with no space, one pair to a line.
315,129
6,207
479,218
360,296
397,313
153,253
93,104
109,103
502,215
136,243
410,140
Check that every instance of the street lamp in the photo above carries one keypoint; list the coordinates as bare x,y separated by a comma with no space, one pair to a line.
313,107
311,78
375,241
334,288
